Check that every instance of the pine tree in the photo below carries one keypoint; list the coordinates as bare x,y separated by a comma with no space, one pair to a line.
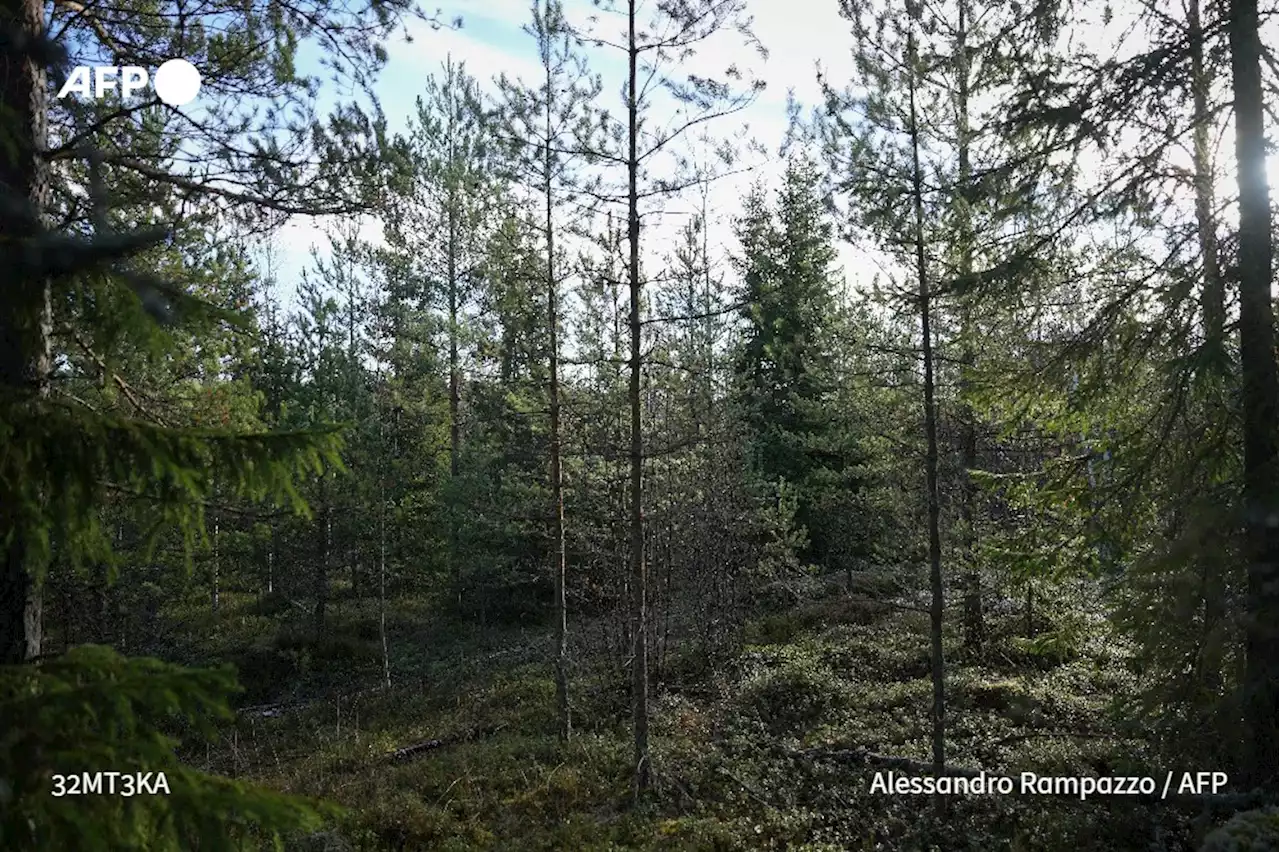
936,601
61,458
506,537
544,124
1256,248
439,224
652,51
330,342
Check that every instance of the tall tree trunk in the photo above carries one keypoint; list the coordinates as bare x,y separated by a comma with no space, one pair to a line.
1212,299
455,394
930,430
352,383
382,551
215,596
25,317
1212,295
322,557
1259,376
973,627
639,568
559,557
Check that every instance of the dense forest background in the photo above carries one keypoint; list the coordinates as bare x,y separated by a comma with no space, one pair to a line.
537,515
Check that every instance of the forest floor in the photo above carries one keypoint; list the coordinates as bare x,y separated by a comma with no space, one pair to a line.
750,751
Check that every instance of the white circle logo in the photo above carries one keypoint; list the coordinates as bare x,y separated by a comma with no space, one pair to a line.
177,82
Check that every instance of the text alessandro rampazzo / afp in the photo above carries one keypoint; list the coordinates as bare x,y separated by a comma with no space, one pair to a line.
1030,783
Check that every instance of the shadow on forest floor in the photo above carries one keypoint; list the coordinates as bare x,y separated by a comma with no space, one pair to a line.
739,760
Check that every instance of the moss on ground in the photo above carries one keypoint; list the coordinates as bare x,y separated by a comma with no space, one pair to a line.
726,739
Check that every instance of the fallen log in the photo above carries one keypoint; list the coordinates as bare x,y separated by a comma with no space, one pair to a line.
406,753
269,711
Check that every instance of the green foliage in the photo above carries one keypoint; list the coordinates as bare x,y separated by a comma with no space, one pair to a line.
786,382
790,698
1250,831
1053,648
60,460
1079,368
92,710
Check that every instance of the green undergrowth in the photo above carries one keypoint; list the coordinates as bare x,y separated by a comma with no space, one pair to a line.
742,743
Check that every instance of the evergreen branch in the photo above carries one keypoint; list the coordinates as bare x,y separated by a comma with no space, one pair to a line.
710,115
245,197
58,255
117,378
80,10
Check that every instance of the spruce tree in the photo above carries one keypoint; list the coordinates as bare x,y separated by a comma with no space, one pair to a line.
61,457
1156,314
786,362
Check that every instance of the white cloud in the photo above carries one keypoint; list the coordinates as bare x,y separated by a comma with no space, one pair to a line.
491,42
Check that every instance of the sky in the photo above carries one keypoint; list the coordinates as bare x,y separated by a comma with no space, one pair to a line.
799,35
491,41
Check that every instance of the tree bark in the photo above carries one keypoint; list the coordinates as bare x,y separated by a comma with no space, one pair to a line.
455,394
26,317
559,558
1259,376
271,559
382,550
931,432
1212,299
215,596
973,627
322,558
639,568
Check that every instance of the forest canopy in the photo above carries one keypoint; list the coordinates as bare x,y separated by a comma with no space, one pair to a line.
615,473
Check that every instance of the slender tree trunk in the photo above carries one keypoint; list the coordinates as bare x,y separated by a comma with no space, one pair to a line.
382,594
26,318
973,626
1259,376
559,557
931,435
709,321
215,597
668,564
455,394
1029,613
322,557
1212,298
271,559
352,384
639,569
382,552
